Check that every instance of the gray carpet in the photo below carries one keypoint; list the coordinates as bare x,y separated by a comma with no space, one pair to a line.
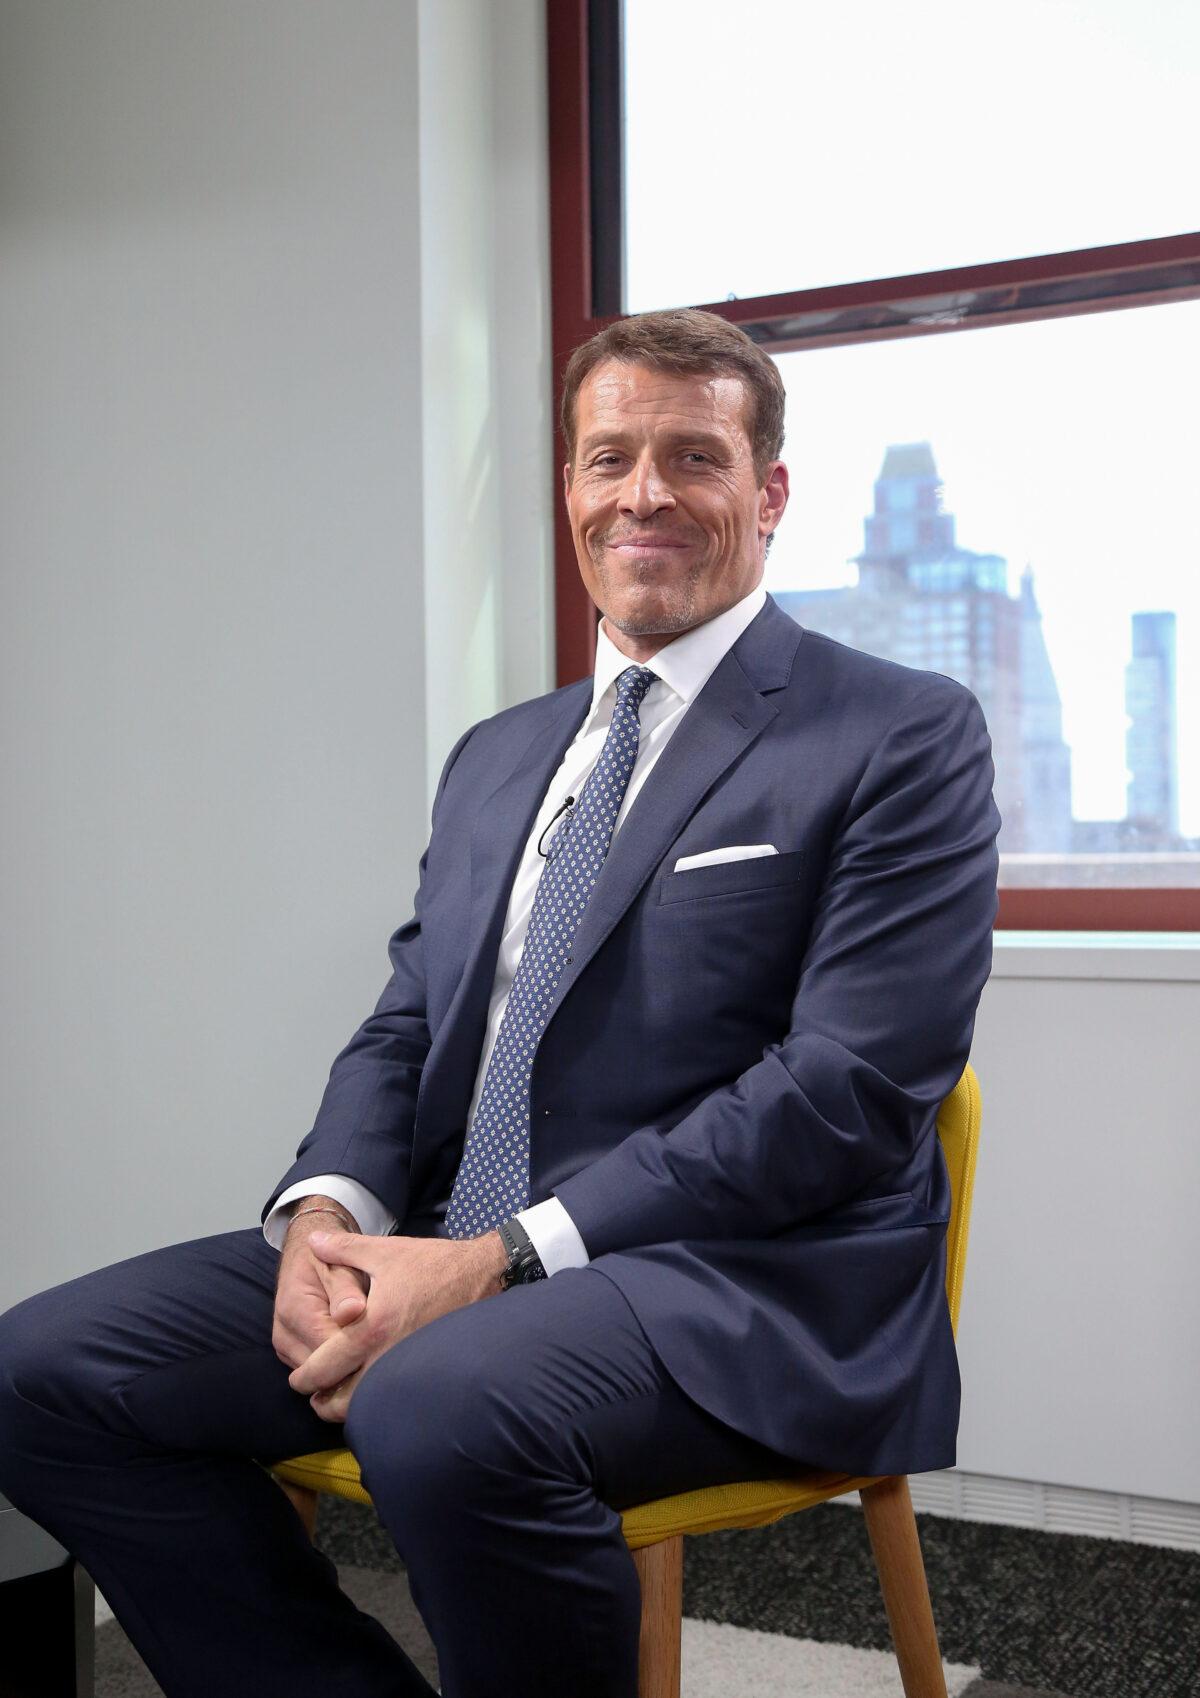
795,1608
719,1661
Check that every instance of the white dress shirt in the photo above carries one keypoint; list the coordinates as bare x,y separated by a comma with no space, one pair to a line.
681,670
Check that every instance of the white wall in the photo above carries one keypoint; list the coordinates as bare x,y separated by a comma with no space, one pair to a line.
1081,1310
229,534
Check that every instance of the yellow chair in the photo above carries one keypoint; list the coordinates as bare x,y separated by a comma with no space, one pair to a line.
654,1531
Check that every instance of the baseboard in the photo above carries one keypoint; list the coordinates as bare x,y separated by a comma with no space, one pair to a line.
1054,1509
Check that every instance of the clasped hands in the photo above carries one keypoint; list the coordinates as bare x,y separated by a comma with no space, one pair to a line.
343,1299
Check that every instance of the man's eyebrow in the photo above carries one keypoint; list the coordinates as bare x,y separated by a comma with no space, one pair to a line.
699,438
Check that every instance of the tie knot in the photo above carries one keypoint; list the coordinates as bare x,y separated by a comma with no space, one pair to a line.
633,684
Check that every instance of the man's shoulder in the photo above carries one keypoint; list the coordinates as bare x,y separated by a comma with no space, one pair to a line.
523,720
524,717
870,681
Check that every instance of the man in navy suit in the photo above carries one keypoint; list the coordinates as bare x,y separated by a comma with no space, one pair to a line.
631,1181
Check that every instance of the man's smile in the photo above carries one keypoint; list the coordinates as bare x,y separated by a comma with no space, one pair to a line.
646,545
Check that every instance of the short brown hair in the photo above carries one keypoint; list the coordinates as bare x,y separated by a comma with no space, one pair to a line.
694,344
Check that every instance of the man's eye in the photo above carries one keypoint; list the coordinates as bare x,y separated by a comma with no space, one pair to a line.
606,460
696,454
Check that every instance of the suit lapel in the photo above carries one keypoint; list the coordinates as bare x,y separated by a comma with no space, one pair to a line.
729,713
507,814
502,826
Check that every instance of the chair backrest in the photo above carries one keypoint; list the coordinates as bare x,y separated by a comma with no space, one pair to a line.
958,1128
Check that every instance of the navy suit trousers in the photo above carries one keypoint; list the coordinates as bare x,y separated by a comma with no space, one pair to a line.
138,1404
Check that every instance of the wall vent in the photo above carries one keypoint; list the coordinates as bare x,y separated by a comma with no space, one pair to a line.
1054,1509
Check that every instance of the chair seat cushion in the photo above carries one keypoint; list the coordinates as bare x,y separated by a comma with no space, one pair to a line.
751,1503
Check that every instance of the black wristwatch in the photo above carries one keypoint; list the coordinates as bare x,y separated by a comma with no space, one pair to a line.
524,1263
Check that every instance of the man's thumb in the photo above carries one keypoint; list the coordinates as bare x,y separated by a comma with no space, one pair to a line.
347,1299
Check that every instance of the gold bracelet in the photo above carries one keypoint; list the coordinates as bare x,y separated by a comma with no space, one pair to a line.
322,1210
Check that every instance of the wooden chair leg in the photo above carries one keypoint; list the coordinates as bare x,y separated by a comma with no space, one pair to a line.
304,1501
893,1532
660,1570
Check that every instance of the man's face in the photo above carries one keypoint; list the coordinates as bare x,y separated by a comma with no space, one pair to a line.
669,520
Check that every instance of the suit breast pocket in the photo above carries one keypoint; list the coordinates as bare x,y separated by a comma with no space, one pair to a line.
732,878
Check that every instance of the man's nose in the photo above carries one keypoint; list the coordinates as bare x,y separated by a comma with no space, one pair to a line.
645,491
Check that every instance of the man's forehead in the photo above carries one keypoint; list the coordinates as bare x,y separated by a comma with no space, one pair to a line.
619,390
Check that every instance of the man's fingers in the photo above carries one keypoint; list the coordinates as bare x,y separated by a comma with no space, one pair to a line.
331,1362
350,1249
343,1287
294,1346
334,1405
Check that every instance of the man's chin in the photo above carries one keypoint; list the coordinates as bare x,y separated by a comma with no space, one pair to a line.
660,621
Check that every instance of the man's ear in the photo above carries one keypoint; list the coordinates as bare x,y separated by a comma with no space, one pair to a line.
567,481
774,496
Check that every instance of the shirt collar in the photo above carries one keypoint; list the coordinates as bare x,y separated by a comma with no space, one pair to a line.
686,664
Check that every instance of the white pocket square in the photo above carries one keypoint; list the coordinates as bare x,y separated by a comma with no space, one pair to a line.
713,857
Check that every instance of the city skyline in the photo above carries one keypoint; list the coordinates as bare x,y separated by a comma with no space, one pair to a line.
1067,445
924,600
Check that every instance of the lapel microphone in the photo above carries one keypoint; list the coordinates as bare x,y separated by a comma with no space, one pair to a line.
565,809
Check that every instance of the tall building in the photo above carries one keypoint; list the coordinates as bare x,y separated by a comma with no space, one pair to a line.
1045,756
925,601
1152,796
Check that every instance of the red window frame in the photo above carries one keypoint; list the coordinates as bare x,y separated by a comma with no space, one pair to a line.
930,304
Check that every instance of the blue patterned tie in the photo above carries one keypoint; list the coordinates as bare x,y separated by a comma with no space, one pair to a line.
493,1177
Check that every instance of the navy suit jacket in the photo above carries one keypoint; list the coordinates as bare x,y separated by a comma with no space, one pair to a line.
736,1090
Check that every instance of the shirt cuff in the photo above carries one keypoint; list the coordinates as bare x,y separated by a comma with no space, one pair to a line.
373,1217
553,1235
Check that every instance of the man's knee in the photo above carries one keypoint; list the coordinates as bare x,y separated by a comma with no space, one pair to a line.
33,1353
37,1367
62,1356
439,1428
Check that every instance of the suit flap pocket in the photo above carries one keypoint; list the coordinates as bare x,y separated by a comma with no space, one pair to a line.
731,878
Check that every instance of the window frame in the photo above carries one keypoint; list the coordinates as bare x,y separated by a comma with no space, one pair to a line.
584,56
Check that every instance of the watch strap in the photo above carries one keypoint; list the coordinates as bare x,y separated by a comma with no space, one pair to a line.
524,1263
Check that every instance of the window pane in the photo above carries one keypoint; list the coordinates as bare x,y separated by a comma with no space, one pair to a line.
772,146
1016,507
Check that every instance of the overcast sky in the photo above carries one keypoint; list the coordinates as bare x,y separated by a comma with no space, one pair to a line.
775,145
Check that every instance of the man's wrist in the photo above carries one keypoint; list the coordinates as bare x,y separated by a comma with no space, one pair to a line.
494,1258
326,1214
